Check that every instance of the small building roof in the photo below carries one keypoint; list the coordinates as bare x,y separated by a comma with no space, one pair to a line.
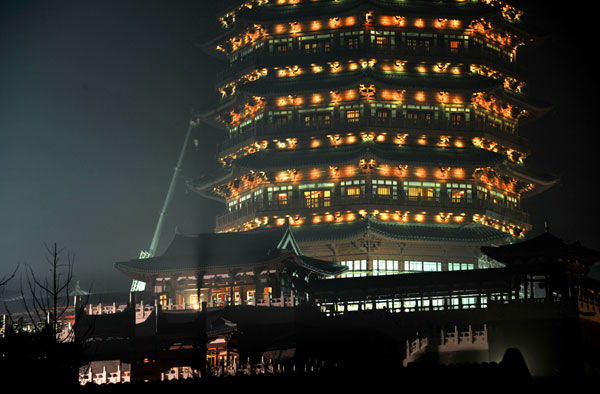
226,251
545,249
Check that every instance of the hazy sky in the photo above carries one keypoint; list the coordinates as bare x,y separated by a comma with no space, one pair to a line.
95,97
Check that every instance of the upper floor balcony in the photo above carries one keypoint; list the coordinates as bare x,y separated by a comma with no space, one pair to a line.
293,206
302,124
473,53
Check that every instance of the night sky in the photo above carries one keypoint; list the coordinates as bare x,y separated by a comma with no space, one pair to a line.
95,98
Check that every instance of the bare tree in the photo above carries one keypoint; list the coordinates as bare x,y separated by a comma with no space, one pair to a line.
6,279
49,296
46,302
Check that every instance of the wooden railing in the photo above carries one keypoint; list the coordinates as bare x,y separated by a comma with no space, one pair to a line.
253,209
262,129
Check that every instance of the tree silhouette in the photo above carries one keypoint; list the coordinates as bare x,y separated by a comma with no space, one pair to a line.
49,348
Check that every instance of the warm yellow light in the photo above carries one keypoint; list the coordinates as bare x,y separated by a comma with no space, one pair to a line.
385,170
401,170
381,138
335,139
455,23
353,66
440,23
316,98
384,216
422,69
279,29
420,96
316,219
315,143
422,140
442,97
350,94
350,217
419,217
315,173
459,173
315,25
400,21
386,21
459,143
349,171
420,23
334,22
280,221
388,94
334,171
335,67
351,139
420,172
350,21
295,27
400,139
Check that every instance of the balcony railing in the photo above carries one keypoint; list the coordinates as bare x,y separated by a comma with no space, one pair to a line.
263,129
250,210
263,58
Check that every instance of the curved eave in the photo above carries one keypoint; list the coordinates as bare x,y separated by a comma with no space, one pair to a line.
209,46
143,269
209,115
540,179
311,83
469,233
321,266
402,155
204,186
534,109
309,10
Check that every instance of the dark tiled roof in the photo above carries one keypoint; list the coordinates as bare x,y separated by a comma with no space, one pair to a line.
471,83
310,9
336,155
403,231
534,175
211,250
543,248
223,250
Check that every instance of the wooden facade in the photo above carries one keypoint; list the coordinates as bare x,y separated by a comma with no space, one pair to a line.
405,114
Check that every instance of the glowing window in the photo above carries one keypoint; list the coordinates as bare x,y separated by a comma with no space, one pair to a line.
382,41
413,266
352,43
282,198
422,191
432,266
353,115
317,198
455,46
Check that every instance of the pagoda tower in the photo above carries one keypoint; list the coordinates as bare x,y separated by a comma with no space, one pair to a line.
384,133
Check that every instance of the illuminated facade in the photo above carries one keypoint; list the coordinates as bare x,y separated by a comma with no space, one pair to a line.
385,133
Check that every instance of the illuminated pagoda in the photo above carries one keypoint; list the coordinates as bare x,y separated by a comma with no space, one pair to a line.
384,133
